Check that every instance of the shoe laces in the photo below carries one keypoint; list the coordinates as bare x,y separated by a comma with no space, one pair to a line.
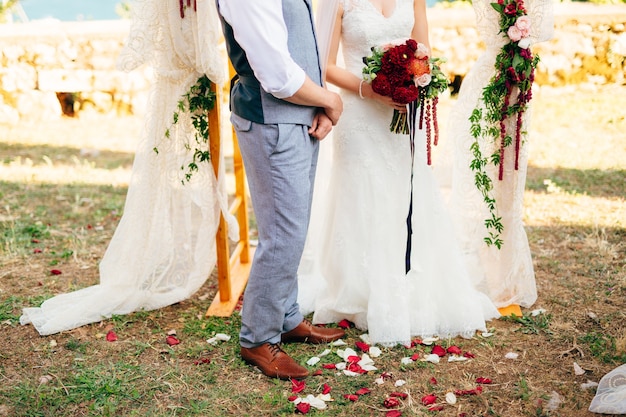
274,349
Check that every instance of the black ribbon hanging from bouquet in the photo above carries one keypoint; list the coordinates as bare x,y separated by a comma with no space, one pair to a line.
411,118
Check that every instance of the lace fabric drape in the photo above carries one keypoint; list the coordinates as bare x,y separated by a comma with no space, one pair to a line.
163,249
507,274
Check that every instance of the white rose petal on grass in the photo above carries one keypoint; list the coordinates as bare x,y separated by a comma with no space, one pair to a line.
366,360
406,360
578,370
339,342
486,334
379,380
432,358
315,402
219,337
366,338
345,353
457,358
450,398
350,373
340,366
537,312
375,352
511,355
399,382
313,361
325,397
324,353
429,340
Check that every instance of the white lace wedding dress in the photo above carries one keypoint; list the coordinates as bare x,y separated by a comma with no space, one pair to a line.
506,275
354,262
163,249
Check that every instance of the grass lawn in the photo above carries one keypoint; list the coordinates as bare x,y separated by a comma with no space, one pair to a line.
62,191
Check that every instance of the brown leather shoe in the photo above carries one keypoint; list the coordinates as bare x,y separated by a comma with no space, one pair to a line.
306,332
273,362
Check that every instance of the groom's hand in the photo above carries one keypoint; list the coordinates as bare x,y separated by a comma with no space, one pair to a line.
321,126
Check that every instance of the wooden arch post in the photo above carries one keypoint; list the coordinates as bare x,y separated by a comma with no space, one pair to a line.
232,269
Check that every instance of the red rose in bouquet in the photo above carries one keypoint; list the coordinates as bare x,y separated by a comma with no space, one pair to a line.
405,72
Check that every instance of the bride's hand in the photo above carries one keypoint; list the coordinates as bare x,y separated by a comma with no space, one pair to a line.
367,92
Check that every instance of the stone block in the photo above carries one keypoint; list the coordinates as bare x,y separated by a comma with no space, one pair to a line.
60,80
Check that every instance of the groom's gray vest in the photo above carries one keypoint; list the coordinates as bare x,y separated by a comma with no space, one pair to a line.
247,98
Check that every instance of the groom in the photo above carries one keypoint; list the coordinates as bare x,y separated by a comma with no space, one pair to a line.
279,111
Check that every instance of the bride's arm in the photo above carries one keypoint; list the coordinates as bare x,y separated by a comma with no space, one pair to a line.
420,27
343,78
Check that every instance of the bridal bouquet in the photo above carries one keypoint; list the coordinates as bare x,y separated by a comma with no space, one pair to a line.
499,115
405,72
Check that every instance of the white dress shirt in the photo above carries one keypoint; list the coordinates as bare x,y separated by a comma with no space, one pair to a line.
259,28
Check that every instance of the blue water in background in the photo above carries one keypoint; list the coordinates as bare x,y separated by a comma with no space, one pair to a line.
70,10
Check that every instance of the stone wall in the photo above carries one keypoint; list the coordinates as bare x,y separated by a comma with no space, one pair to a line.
50,69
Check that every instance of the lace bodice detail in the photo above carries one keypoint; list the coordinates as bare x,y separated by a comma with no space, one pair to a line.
364,26
488,22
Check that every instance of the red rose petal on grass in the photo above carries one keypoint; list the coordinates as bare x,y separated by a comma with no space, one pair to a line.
454,350
363,391
326,389
433,381
353,359
329,366
34,241
429,399
55,272
297,386
303,407
393,413
111,336
481,380
469,355
402,395
391,402
416,342
356,368
386,375
415,356
172,340
292,398
438,350
37,250
345,324
435,408
364,347
351,397
317,373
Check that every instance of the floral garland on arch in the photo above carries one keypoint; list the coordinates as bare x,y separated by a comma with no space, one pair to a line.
505,98
197,102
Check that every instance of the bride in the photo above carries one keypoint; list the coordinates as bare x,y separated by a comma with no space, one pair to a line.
354,264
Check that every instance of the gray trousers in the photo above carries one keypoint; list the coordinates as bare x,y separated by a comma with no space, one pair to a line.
280,162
